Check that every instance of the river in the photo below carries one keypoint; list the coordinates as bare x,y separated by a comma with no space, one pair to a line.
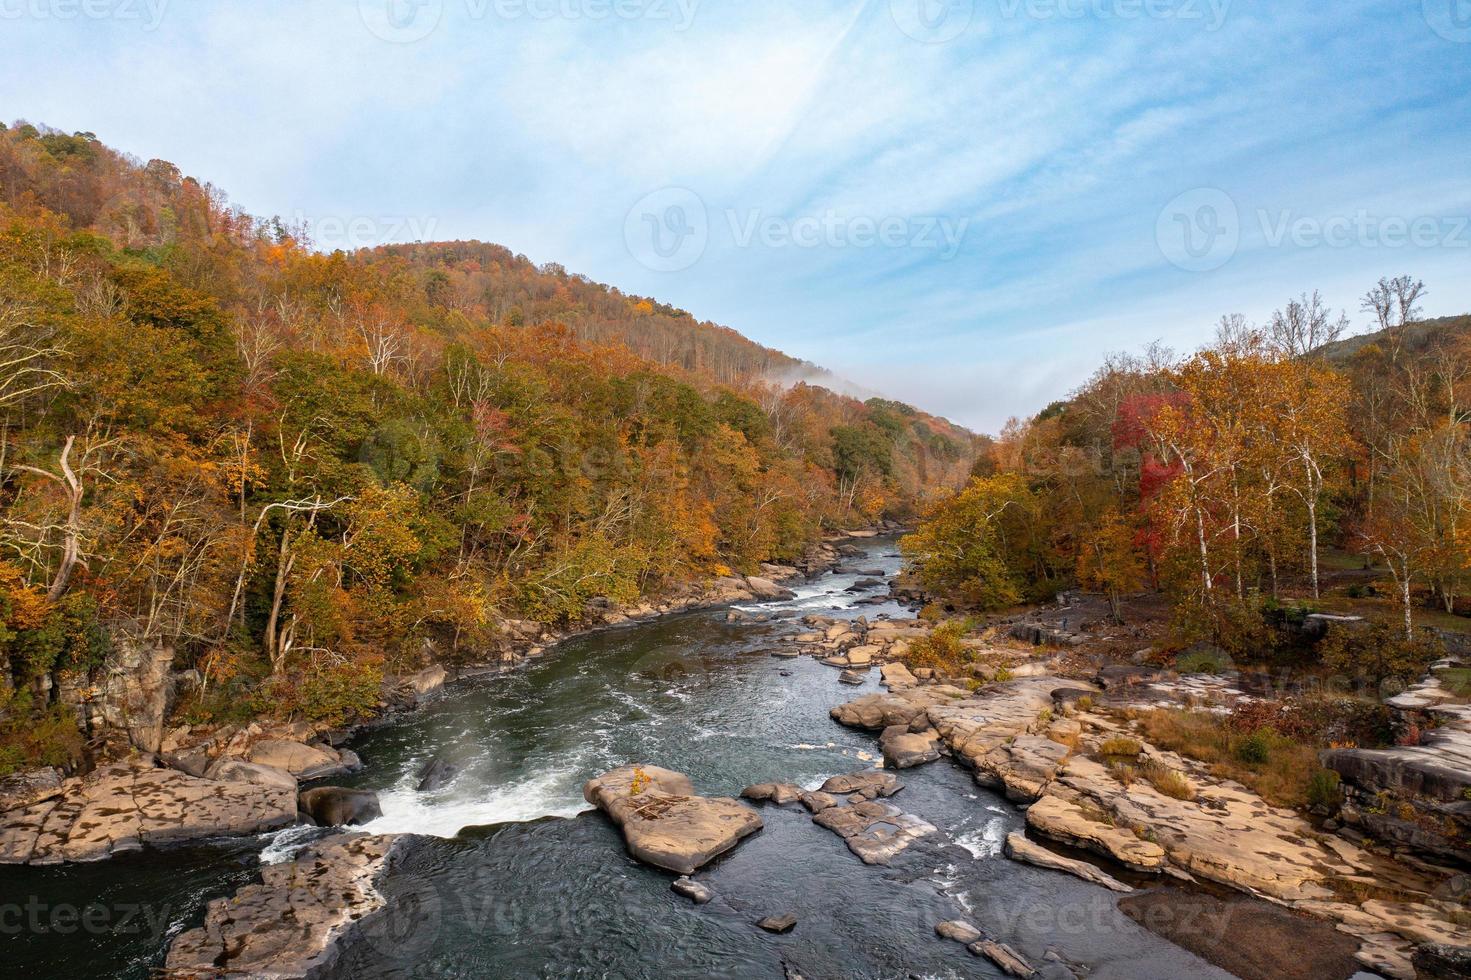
515,877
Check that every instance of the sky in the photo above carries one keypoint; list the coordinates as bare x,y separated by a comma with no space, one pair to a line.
963,204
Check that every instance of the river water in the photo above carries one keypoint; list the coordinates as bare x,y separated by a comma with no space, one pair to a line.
515,877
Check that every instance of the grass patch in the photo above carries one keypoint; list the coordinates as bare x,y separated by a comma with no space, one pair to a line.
1457,680
1170,782
1120,746
1282,771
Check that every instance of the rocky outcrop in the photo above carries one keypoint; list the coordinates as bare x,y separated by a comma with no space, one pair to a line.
1064,821
296,922
124,807
664,823
1436,961
1018,848
24,789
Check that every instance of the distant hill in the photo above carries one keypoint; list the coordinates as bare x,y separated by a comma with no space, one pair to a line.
1417,337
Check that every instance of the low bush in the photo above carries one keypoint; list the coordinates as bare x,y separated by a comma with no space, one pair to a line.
1256,748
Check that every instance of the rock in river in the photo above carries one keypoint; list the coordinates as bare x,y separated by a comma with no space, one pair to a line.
664,823
692,890
294,923
331,806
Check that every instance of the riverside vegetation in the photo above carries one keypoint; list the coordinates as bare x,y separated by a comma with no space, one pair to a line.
298,474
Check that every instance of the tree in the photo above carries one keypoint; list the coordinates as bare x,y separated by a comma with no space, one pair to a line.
1108,561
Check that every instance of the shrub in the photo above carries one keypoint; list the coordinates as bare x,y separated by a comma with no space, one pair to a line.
942,649
1255,749
333,696
1282,779
48,737
1378,652
1203,659
1235,626
1324,789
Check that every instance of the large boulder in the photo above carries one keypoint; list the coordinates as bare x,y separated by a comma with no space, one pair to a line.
27,788
904,749
664,823
332,806
764,588
305,762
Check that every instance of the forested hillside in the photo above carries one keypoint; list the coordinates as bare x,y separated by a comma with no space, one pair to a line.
1235,478
299,471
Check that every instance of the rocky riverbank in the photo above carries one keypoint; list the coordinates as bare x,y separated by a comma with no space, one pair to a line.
1161,814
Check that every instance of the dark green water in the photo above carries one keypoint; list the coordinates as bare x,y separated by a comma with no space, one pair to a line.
515,879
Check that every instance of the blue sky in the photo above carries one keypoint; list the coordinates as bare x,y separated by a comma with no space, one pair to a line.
963,205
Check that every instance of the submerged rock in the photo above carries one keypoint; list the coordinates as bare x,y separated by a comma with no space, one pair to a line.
1006,958
874,831
960,931
332,806
692,890
778,793
437,774
294,923
778,923
664,823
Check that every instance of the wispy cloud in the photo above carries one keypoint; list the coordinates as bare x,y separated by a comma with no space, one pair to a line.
1049,144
